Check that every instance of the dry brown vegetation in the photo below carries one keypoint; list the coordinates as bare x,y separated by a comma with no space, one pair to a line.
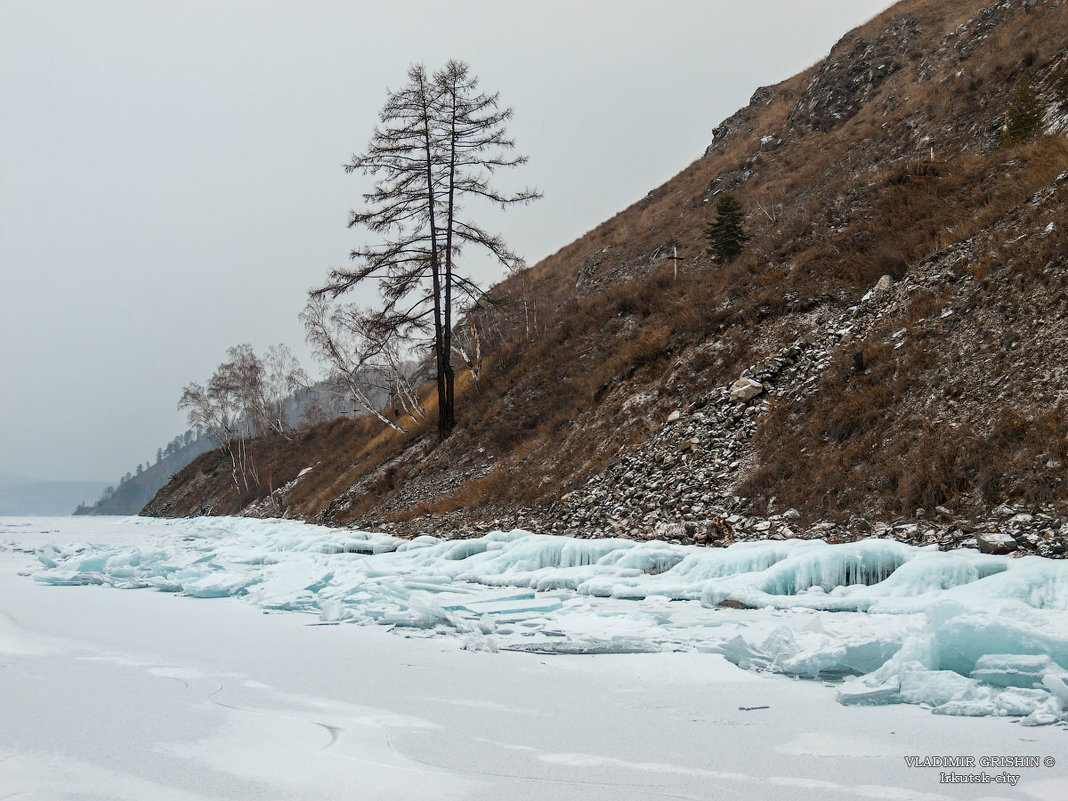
914,169
959,411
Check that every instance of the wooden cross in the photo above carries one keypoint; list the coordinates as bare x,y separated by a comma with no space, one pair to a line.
676,258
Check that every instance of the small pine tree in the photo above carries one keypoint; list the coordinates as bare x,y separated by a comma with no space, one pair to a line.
1023,119
725,234
1060,85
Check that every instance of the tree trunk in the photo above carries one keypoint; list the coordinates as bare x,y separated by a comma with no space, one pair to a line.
450,400
449,416
444,424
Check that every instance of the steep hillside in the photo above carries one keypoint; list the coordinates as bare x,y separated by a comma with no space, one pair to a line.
899,309
134,491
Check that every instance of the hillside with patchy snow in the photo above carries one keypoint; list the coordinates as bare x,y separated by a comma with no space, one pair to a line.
884,358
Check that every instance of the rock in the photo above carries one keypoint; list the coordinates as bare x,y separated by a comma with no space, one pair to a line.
884,283
745,389
995,542
731,603
667,531
1031,541
675,415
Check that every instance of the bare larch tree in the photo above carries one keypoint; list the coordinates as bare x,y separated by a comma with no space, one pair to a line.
439,140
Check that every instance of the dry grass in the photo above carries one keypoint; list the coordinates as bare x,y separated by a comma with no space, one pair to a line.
954,417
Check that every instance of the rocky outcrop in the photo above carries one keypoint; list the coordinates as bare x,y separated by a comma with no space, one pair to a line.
684,477
849,76
968,37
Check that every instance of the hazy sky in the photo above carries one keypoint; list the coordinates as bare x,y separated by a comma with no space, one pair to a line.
172,184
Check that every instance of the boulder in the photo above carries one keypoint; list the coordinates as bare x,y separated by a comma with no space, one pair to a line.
995,542
745,389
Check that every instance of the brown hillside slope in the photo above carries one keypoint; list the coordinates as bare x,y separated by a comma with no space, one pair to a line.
887,158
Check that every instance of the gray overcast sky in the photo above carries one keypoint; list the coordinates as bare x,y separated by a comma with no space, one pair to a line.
171,181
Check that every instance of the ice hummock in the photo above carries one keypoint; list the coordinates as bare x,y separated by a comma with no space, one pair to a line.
961,632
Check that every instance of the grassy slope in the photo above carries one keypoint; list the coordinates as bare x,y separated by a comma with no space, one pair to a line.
878,158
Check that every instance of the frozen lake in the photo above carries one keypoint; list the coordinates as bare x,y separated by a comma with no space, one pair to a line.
309,667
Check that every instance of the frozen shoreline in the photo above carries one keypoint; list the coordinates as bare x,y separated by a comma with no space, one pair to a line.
142,694
961,632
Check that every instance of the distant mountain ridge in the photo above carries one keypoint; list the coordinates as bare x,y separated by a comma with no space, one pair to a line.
9,479
134,491
21,495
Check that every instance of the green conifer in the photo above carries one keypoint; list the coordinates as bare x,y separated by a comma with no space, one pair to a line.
725,233
1023,118
1060,84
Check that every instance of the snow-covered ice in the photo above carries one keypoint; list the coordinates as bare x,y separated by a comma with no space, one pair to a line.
961,632
529,668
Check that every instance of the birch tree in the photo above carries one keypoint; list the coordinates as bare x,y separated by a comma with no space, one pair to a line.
282,377
214,411
438,142
361,356
245,397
